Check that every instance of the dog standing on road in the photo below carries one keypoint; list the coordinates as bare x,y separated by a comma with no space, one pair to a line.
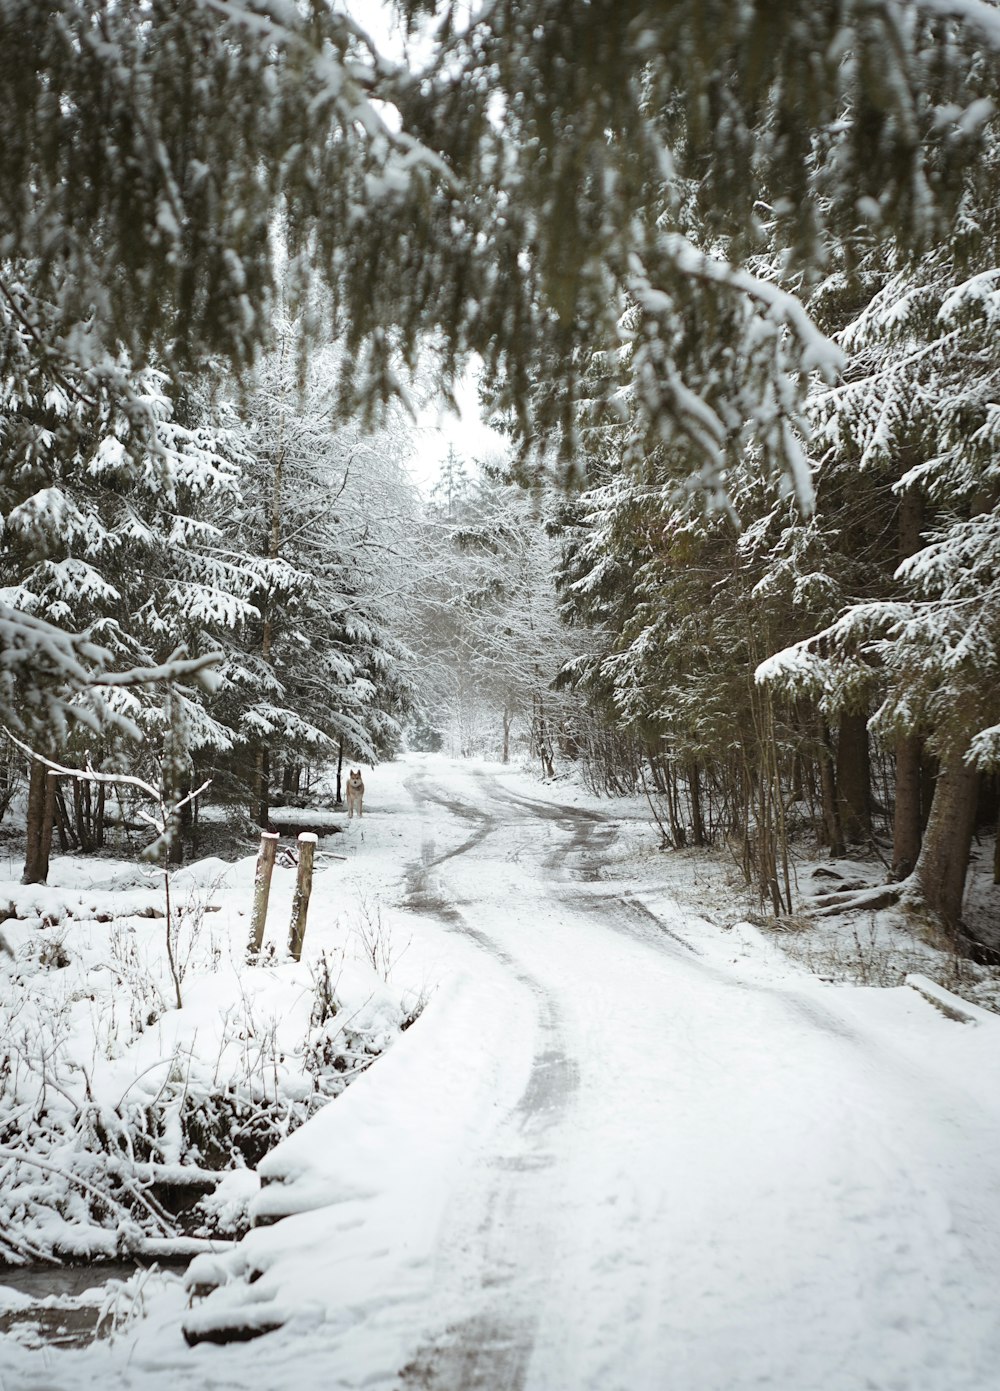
355,793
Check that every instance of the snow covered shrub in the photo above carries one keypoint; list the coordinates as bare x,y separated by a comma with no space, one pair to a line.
325,1003
338,1048
374,938
121,1114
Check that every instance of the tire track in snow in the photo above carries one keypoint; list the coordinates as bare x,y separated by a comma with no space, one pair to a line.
554,1076
508,1229
491,1349
883,1218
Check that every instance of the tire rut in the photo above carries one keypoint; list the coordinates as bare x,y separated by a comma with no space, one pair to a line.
492,1348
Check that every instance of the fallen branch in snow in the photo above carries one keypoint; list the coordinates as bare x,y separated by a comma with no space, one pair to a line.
69,911
906,894
850,900
90,774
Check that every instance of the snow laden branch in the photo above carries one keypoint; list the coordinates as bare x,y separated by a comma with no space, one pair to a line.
723,403
818,353
67,673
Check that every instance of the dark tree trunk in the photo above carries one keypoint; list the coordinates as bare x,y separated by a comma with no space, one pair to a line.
697,823
677,829
544,741
41,815
67,836
506,736
928,783
48,820
261,808
907,822
182,829
84,831
828,792
340,773
911,806
939,874
854,778
36,868
798,785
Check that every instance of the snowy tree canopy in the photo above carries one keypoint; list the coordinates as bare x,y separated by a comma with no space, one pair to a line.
541,170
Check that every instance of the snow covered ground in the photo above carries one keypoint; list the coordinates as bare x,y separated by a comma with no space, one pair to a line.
628,1145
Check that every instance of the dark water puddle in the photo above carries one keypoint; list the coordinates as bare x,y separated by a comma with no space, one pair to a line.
37,1327
71,1306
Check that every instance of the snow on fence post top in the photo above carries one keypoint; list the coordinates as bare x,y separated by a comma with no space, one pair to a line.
303,888
262,890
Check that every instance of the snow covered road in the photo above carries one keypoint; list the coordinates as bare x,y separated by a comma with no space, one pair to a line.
708,1180
623,1149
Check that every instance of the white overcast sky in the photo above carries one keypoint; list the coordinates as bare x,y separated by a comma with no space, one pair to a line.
437,429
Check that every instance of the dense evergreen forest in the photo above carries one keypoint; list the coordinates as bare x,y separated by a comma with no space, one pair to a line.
731,275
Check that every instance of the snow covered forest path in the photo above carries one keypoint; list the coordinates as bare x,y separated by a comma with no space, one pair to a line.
628,1146
709,1179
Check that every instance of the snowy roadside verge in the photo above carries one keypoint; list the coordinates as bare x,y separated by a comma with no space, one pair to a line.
362,1187
129,1125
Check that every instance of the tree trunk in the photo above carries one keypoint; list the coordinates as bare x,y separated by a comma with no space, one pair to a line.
544,742
828,791
48,819
939,874
907,823
697,823
854,778
929,770
506,735
340,774
176,852
83,830
677,828
67,836
41,815
32,863
908,817
261,808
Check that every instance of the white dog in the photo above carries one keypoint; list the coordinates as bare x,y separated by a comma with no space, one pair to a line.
355,793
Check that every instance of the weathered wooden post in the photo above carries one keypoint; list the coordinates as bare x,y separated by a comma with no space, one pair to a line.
262,889
303,888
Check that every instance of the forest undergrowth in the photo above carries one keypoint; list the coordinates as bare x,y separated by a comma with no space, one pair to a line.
130,1127
881,947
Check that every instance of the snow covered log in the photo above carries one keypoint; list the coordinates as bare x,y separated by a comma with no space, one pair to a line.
292,821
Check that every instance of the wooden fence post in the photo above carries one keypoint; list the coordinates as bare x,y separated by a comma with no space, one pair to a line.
303,888
262,889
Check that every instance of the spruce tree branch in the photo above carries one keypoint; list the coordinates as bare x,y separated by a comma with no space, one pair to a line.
46,348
